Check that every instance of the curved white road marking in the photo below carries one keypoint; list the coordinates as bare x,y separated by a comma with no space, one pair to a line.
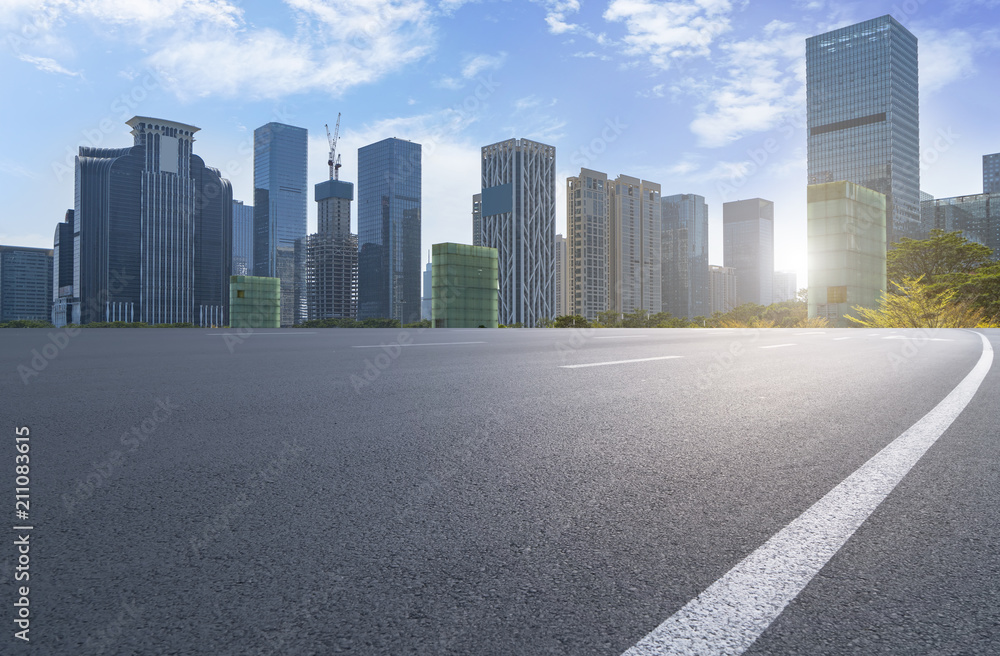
731,614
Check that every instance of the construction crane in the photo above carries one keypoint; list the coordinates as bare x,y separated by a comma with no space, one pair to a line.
334,161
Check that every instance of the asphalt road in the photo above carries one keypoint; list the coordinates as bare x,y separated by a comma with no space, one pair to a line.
471,492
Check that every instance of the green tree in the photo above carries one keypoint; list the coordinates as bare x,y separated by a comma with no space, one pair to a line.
571,321
942,260
915,304
609,319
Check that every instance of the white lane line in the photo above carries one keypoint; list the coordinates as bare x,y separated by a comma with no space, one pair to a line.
732,613
620,336
601,364
393,345
777,345
925,339
815,332
837,339
253,332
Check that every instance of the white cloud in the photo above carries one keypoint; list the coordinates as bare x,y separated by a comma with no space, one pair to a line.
763,87
591,55
665,31
48,65
479,63
207,47
947,56
656,92
557,14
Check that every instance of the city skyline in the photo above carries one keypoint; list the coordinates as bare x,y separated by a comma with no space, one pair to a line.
727,112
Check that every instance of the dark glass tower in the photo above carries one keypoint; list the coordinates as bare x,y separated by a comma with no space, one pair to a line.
748,247
389,230
152,231
25,283
863,117
991,174
280,198
242,239
684,263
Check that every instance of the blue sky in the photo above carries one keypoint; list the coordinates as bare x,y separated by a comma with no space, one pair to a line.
690,93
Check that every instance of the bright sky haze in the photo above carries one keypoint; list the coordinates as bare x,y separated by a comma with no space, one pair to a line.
701,96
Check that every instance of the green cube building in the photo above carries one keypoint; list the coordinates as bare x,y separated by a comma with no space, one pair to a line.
464,286
254,302
846,249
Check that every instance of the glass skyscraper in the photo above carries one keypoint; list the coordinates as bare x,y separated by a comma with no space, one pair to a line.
748,247
389,176
280,200
991,174
151,232
863,118
519,220
684,264
25,283
242,239
976,216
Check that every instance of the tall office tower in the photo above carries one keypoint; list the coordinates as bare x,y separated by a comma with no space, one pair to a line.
389,174
25,283
684,243
976,216
634,225
991,174
748,247
587,247
562,277
426,305
477,219
153,229
280,199
784,287
65,304
332,255
519,220
242,239
847,255
863,118
722,286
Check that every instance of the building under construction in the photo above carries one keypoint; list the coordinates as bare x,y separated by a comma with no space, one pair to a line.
332,253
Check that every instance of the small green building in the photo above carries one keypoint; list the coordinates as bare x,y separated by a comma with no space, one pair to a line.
254,302
464,286
846,249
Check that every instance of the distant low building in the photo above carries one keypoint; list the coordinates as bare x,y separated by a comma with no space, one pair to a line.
722,288
784,286
25,283
846,249
254,302
976,216
465,286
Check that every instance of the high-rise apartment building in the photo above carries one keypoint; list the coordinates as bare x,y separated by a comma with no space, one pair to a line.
242,239
389,175
587,244
25,283
748,247
976,216
847,254
151,232
280,159
684,265
519,220
991,174
477,219
722,288
332,255
634,224
562,277
863,118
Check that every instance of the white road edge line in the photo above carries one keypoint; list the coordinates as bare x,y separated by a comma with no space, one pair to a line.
601,364
732,613
427,344
777,345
